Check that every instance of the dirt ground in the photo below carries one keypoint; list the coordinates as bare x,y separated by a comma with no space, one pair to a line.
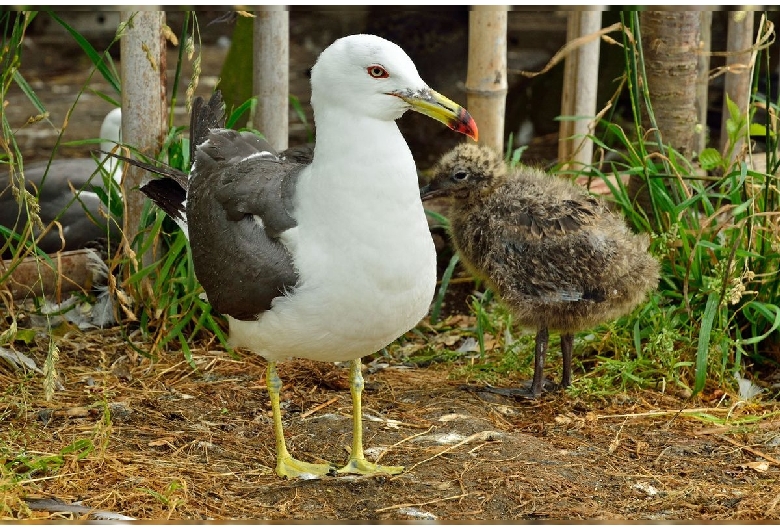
162,440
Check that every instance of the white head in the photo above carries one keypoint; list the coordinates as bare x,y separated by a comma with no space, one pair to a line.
361,73
370,76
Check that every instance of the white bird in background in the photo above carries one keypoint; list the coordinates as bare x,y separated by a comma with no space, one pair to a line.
329,261
82,216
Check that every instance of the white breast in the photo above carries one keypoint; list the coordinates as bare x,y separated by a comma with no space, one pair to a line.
366,262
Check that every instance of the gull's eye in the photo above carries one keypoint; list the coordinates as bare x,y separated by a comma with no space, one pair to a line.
460,176
377,71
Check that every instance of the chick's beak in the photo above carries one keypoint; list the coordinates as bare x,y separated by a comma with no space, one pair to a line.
438,107
426,192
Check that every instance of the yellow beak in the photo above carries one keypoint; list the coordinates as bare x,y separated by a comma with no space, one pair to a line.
438,107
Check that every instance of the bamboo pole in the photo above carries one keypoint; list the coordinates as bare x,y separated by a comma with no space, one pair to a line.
702,81
738,73
580,86
486,84
271,74
143,102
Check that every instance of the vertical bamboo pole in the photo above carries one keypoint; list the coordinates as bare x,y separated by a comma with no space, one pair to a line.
580,88
271,74
486,83
739,42
143,101
702,81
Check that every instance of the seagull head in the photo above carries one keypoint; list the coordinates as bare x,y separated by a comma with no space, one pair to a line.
466,173
374,77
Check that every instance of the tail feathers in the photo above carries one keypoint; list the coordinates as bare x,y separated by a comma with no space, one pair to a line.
169,192
169,195
205,117
164,171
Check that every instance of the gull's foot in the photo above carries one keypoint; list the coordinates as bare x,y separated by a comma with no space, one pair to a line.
289,467
364,467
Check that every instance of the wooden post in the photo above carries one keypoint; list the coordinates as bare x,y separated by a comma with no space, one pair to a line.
737,84
486,84
271,74
143,102
580,87
702,81
67,272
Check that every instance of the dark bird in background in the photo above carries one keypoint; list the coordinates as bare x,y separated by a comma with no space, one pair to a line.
556,255
64,188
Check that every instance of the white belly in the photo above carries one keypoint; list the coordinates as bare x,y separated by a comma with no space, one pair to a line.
363,283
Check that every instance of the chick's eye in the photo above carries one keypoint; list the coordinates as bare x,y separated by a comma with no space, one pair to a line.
460,176
377,72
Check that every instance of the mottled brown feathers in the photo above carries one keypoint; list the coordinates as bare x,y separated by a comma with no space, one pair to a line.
555,254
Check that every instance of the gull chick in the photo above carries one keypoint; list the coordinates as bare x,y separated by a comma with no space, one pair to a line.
557,256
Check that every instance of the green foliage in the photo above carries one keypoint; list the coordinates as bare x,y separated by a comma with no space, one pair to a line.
24,466
716,237
153,275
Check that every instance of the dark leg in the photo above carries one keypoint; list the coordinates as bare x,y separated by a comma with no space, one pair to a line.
529,389
567,341
539,354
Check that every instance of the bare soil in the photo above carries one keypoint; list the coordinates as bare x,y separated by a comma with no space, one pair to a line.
163,440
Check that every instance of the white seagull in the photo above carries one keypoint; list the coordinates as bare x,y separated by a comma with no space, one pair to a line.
330,260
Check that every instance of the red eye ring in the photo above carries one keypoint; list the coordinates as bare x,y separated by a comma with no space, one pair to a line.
377,71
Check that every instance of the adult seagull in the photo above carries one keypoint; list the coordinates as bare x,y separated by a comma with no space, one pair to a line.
78,214
328,261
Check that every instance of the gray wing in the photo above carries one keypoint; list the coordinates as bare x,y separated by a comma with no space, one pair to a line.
240,200
544,218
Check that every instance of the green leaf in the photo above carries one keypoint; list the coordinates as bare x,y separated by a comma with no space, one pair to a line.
734,112
710,159
757,129
240,110
445,282
732,128
702,351
94,56
439,218
29,92
772,313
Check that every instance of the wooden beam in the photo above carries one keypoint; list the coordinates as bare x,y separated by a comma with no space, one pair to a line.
35,277
144,102
702,82
486,83
738,74
271,74
580,88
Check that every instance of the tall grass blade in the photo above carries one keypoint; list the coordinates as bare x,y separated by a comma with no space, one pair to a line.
702,352
445,283
97,58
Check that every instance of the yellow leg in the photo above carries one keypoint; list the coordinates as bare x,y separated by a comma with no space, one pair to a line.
286,465
357,461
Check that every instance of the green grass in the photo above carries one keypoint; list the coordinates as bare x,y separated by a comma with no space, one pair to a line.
717,238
